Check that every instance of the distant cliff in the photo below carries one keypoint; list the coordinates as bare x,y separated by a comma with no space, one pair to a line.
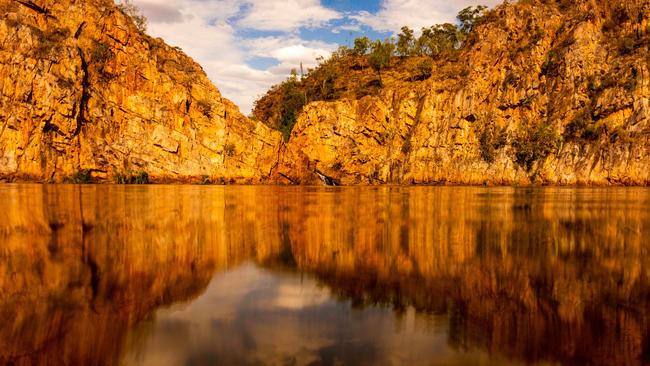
82,89
553,92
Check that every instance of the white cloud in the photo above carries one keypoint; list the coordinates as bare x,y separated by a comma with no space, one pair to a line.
210,31
287,15
415,13
207,30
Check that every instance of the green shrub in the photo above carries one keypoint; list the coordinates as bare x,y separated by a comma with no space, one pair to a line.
229,149
101,53
380,56
205,107
361,46
424,70
82,176
130,177
405,42
490,140
286,124
510,79
631,83
551,66
469,17
406,146
533,143
49,43
293,100
626,45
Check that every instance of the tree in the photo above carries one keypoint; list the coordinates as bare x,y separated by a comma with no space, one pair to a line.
438,39
134,13
469,16
380,56
406,42
361,46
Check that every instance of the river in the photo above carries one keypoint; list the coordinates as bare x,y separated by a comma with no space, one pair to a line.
237,275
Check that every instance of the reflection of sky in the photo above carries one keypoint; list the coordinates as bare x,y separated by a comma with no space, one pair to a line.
256,316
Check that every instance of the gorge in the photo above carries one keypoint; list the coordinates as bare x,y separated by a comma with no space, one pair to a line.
542,92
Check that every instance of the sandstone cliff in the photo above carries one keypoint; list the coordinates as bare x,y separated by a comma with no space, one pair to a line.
82,89
553,92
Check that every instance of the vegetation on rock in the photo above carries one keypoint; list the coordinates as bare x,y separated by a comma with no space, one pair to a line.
136,15
131,177
346,71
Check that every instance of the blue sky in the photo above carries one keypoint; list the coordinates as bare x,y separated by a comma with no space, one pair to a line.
246,46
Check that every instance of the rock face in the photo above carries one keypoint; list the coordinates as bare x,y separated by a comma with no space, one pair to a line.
543,92
554,92
82,89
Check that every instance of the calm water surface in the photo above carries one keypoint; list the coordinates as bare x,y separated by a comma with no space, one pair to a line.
180,275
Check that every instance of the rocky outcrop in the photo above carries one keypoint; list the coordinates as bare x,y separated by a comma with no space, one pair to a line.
82,89
542,92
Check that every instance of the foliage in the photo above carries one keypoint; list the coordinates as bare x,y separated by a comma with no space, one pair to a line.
424,69
131,177
490,140
406,146
49,43
281,106
438,39
551,66
292,103
205,107
100,53
533,143
583,127
626,45
361,46
135,14
82,176
380,56
229,149
405,42
469,17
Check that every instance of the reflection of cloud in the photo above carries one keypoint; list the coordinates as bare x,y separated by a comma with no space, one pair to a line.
294,297
251,316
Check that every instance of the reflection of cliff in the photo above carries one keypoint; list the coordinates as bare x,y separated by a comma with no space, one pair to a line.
80,267
558,275
537,275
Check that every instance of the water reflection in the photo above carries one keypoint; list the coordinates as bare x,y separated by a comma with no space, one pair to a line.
103,275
